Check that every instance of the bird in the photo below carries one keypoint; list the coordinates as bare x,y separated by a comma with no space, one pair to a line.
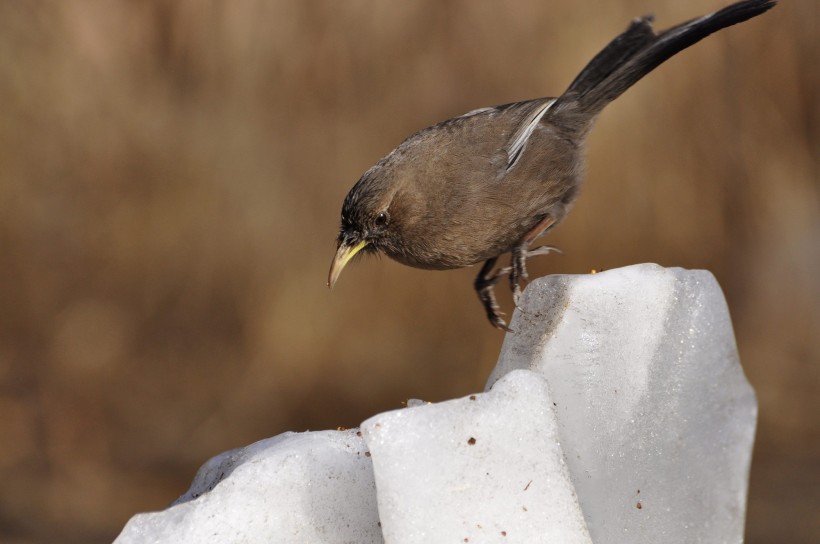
472,188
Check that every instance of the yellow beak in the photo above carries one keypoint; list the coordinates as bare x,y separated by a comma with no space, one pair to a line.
343,255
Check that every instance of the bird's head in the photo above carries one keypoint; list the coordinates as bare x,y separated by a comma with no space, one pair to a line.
367,224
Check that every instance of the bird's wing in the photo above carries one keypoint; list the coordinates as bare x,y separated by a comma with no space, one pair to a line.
518,141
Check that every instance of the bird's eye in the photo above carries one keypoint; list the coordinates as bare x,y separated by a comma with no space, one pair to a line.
382,219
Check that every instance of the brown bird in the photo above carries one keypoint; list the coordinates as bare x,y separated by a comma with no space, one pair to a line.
493,180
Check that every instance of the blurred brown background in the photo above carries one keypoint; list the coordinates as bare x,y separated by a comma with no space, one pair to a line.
171,175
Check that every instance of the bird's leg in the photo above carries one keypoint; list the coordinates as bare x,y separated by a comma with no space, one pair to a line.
484,283
519,254
519,261
518,270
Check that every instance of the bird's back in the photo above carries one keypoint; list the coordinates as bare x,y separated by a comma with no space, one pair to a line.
478,199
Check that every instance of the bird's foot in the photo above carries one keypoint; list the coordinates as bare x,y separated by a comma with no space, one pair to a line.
518,266
484,286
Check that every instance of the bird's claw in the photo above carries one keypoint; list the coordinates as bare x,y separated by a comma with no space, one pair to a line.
543,250
484,286
500,324
516,295
494,313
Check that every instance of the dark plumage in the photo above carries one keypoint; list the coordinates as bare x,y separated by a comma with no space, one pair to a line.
488,182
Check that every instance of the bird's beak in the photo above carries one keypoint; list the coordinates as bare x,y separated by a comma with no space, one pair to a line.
343,255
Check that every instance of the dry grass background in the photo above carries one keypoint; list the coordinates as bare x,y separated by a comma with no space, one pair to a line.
171,174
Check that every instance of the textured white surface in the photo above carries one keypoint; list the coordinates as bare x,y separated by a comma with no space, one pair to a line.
653,407
617,411
312,487
484,468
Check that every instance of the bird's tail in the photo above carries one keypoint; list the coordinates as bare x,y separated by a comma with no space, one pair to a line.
638,51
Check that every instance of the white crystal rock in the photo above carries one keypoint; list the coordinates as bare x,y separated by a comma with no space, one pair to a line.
618,413
655,416
312,487
484,468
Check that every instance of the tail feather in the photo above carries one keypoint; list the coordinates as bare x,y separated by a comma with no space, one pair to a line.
638,51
